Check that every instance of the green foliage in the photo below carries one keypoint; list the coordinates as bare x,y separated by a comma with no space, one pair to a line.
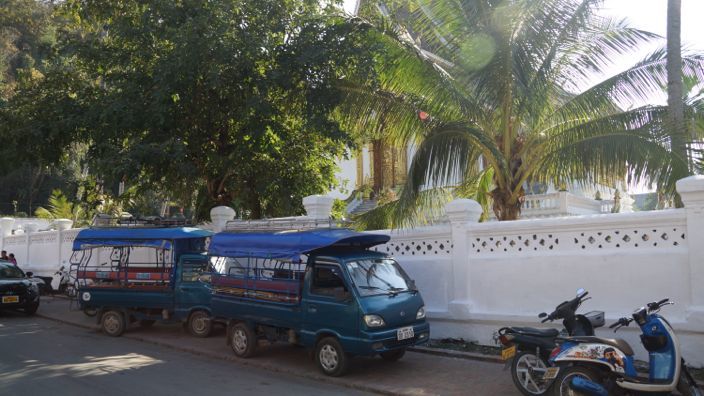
61,208
219,102
339,210
503,83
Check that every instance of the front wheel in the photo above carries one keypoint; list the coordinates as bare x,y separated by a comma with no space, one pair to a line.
199,324
31,309
330,357
527,372
562,387
686,384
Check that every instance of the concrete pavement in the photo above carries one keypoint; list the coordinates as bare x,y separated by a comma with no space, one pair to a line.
39,356
415,374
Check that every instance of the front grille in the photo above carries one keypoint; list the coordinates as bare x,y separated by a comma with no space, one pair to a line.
17,288
397,343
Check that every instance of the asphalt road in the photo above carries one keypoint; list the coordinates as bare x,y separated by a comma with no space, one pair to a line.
42,357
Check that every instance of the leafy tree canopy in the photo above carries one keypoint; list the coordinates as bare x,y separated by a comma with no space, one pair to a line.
219,102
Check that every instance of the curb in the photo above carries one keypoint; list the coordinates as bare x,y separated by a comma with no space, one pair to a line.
457,354
251,363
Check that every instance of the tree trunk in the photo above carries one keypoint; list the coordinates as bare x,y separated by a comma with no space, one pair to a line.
505,206
675,101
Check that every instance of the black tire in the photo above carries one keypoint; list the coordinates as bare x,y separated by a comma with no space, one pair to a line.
113,323
527,374
243,340
147,322
199,324
686,385
90,312
31,309
394,355
561,385
330,357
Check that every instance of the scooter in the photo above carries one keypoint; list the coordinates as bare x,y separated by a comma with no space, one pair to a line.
604,366
527,349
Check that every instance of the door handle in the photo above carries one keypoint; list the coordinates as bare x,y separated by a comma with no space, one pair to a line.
312,309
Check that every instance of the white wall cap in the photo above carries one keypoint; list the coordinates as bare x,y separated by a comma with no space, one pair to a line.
318,206
463,211
691,184
63,224
220,215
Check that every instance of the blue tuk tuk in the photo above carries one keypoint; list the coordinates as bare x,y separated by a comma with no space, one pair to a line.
143,275
323,289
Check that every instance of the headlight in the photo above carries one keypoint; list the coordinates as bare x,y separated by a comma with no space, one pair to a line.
373,320
421,313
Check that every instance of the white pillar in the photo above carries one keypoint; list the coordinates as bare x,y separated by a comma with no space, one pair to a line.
220,215
318,206
463,213
6,224
691,189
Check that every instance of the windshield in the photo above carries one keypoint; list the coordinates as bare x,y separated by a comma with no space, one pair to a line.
10,272
378,276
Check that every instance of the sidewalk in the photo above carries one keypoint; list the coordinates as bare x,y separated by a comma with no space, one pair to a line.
415,374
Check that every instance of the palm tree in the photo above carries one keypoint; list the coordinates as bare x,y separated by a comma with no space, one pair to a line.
675,94
507,87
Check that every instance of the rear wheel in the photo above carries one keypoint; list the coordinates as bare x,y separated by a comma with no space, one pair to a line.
527,372
243,340
561,386
199,324
113,323
394,355
330,356
90,312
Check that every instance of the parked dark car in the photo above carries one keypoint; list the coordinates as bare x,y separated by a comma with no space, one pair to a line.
17,291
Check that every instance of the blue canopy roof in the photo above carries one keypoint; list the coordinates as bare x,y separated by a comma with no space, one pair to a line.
150,237
288,244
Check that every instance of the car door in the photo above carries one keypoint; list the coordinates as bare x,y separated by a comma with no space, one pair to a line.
190,291
329,303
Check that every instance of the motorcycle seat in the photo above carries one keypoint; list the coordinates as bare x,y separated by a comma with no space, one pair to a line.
532,331
622,345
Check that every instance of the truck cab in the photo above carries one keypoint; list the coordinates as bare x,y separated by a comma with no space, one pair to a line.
323,289
144,275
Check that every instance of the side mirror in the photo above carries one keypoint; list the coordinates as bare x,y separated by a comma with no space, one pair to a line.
542,315
413,284
30,274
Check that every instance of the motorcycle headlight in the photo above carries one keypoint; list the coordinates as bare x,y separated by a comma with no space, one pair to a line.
421,313
373,320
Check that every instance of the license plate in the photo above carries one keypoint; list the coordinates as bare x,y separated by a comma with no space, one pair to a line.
404,333
508,353
551,373
10,299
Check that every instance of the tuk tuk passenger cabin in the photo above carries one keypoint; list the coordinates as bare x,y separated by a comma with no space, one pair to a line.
143,274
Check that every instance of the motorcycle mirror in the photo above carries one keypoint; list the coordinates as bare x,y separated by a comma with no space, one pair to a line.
542,315
580,291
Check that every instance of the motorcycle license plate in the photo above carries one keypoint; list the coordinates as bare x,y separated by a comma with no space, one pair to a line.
10,299
551,373
508,353
404,333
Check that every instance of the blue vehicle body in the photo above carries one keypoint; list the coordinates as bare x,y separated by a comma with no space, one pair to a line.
164,287
310,309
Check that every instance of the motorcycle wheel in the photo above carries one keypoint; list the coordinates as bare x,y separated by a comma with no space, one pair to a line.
527,371
686,385
561,386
